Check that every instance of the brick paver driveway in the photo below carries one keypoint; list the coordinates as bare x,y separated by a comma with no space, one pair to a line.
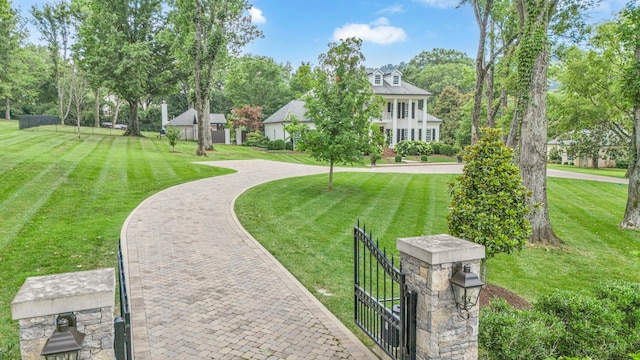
202,288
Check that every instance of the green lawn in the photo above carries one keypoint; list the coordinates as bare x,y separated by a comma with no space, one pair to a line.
613,172
63,201
309,229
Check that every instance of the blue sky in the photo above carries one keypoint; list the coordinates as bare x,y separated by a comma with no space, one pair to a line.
392,31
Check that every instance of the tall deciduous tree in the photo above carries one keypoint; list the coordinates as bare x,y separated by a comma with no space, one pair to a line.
434,70
449,109
301,80
258,81
54,22
9,46
532,65
494,25
119,42
340,104
629,28
530,121
208,31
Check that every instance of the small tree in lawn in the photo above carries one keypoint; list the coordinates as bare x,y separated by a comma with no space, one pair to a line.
488,202
173,135
340,104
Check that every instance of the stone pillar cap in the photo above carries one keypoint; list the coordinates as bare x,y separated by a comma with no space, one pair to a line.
440,249
59,293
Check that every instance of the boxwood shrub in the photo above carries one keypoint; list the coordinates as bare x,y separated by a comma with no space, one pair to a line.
565,325
413,148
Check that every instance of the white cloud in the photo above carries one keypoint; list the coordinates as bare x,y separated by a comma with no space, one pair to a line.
378,32
392,9
381,21
441,4
256,16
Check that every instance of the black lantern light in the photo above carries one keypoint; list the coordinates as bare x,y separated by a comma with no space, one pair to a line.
466,290
66,342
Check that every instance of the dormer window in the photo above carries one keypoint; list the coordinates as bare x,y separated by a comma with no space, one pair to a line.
377,80
396,80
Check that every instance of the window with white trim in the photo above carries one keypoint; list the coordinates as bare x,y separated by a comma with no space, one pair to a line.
377,79
396,80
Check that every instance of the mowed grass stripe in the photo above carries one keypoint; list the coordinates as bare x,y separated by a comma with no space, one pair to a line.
160,167
26,147
20,208
12,143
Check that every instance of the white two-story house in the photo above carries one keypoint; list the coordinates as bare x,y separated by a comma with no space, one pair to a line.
404,116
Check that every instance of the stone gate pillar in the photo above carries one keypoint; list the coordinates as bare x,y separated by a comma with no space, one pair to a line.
429,262
90,295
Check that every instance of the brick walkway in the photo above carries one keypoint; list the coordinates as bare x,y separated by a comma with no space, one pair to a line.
202,288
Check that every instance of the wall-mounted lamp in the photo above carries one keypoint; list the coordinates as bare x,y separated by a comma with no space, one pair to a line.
466,290
66,342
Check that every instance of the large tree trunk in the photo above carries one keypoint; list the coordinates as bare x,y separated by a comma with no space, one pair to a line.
201,87
7,108
631,218
96,93
133,129
533,151
481,19
56,65
208,142
331,175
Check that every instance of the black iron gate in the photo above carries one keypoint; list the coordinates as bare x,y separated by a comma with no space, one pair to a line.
384,308
122,324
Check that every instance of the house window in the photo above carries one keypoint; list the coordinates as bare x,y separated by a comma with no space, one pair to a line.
378,79
429,135
396,80
389,107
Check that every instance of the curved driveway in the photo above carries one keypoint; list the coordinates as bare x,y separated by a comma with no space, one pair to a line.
201,287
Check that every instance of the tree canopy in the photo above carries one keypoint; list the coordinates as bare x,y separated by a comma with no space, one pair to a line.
258,81
340,104
119,42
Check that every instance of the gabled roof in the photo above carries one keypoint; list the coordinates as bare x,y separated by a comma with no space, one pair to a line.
403,89
294,107
190,117
387,87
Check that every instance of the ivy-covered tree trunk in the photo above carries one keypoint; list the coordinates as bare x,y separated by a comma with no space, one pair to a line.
533,152
533,63
631,218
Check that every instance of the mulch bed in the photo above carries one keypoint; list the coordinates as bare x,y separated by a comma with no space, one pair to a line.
490,291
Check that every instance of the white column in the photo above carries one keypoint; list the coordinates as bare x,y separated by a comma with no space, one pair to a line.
394,129
424,120
409,120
